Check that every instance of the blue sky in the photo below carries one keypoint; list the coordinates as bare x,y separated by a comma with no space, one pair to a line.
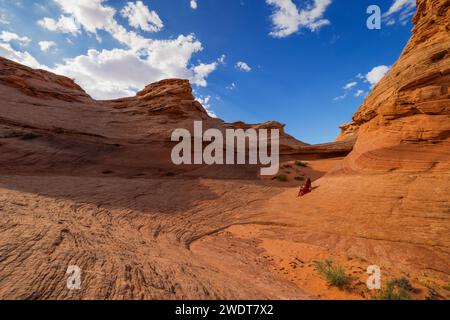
305,63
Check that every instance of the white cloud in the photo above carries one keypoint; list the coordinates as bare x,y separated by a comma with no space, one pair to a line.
376,74
288,19
3,17
119,72
21,57
240,65
340,97
7,36
359,93
65,24
116,73
91,14
46,45
139,16
194,4
232,86
221,60
400,10
350,85
202,71
206,103
399,5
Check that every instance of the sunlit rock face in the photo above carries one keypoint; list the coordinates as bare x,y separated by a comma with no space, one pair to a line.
90,183
404,123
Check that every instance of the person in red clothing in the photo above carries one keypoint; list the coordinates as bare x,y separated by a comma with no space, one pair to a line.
306,188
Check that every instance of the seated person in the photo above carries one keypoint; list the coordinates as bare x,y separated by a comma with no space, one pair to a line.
306,188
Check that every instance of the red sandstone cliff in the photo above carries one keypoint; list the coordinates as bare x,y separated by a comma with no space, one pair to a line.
87,183
404,123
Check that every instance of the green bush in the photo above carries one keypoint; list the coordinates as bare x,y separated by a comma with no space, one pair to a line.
395,290
301,163
281,177
335,275
299,178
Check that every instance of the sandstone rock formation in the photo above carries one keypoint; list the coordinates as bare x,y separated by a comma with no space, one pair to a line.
88,183
387,203
408,112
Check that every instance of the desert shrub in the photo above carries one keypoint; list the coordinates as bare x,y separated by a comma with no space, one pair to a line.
301,163
396,289
281,177
335,275
403,283
299,178
447,287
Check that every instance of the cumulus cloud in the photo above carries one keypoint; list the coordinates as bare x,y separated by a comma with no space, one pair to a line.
400,10
202,71
194,4
3,18
140,17
359,93
46,45
65,24
118,72
350,85
242,66
93,15
115,73
22,57
206,103
7,36
376,74
288,19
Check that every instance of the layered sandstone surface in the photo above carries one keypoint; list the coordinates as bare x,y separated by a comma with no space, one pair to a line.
404,122
90,183
388,202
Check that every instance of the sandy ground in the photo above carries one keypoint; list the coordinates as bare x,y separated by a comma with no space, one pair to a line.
185,238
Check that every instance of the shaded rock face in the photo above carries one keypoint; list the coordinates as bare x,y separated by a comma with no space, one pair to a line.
408,111
88,183
40,83
48,124
62,129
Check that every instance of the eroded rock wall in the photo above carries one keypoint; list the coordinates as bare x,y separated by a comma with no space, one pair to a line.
404,123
